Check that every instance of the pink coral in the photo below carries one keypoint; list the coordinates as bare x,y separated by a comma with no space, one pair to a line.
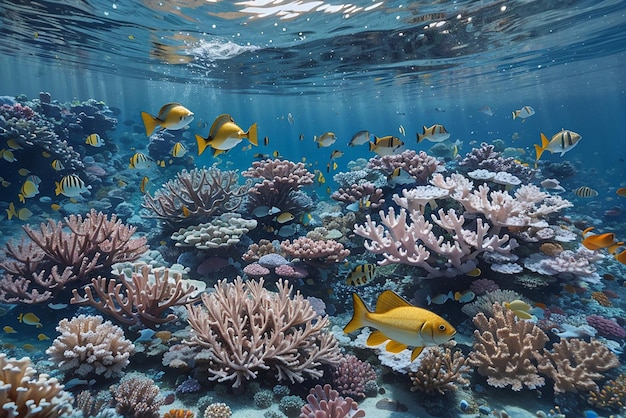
287,271
256,270
482,286
325,402
418,164
307,249
366,193
606,327
351,375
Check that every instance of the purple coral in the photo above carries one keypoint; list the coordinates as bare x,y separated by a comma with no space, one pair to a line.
351,375
606,327
486,158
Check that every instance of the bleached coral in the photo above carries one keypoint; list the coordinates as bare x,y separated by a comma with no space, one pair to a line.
24,394
88,346
223,231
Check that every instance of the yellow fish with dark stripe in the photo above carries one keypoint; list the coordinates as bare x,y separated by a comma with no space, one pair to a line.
29,189
94,140
139,161
361,274
585,191
172,116
71,186
385,145
178,150
397,320
57,165
436,133
225,134
560,142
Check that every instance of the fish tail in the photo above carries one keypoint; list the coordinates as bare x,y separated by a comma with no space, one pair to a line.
539,149
358,317
372,146
420,137
149,122
514,115
252,135
57,190
202,144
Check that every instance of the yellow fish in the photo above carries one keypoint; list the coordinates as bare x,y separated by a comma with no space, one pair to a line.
325,140
285,217
23,172
226,134
11,212
57,165
397,320
436,133
9,330
361,274
94,140
30,319
144,187
139,161
24,214
8,155
336,154
320,178
385,145
55,206
13,144
71,186
520,308
171,116
42,337
560,142
524,112
178,150
29,189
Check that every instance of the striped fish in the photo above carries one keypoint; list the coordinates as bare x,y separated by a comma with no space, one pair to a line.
584,191
71,186
139,161
361,275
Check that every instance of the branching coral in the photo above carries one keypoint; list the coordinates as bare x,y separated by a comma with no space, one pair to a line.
416,244
279,185
40,268
419,165
137,398
23,394
247,328
194,196
440,371
144,297
575,365
504,349
325,402
88,346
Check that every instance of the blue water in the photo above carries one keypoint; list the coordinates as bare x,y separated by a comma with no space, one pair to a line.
375,66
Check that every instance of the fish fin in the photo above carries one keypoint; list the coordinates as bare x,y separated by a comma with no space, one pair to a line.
395,347
514,114
522,314
420,137
613,248
544,141
149,122
202,144
538,152
57,190
372,146
359,315
587,230
376,338
416,352
252,135
389,300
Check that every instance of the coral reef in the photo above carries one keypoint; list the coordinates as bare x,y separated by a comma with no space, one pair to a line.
351,375
247,329
24,394
223,231
325,402
137,397
194,196
611,396
440,370
143,298
217,410
43,268
504,349
325,251
419,165
88,347
366,194
487,158
575,365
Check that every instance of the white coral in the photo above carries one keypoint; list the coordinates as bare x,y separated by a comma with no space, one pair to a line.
88,346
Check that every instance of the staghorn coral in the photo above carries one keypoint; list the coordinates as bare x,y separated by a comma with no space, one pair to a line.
574,365
440,371
414,243
325,402
142,298
44,266
504,349
194,196
247,328
88,346
137,398
310,250
24,394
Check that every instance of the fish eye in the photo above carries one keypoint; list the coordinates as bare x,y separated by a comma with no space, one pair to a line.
442,327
